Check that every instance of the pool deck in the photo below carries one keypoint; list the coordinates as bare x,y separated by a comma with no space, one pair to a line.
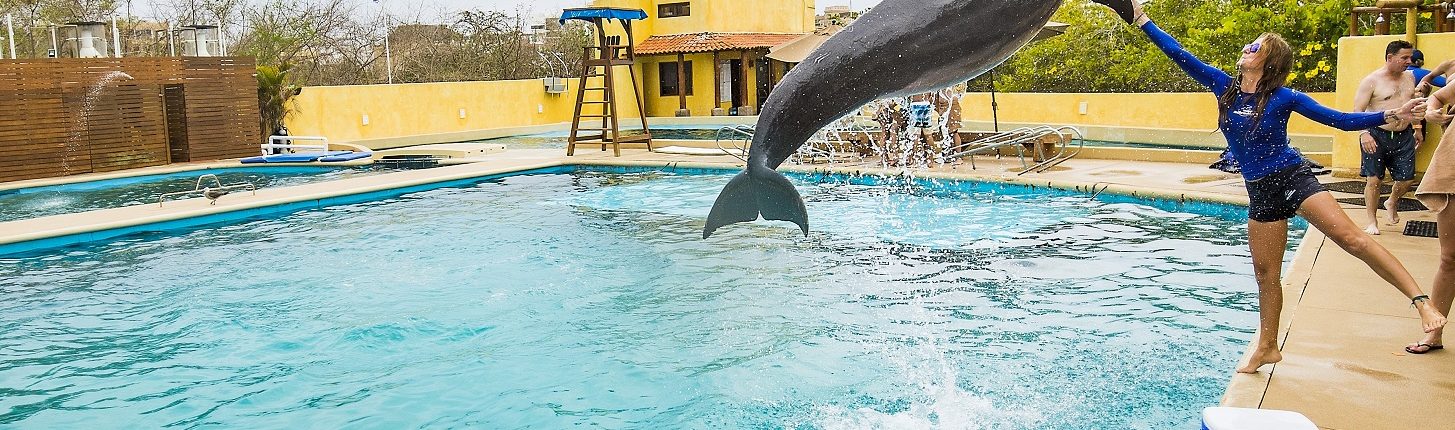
1344,328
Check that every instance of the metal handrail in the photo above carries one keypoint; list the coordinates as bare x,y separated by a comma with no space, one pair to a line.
1014,138
744,134
278,142
1018,138
1061,155
220,189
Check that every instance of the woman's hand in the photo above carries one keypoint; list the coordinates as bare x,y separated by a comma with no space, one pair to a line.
1412,110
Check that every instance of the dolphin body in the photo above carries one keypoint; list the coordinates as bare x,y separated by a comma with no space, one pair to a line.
898,48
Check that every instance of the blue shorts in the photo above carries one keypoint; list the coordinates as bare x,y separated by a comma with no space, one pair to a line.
1394,151
1277,196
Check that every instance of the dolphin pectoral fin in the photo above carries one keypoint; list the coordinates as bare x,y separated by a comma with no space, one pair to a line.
1123,8
737,203
778,200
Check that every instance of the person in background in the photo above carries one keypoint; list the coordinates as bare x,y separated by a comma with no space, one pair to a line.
947,103
1390,146
1417,67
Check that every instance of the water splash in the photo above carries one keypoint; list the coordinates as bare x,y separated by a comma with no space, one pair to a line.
81,123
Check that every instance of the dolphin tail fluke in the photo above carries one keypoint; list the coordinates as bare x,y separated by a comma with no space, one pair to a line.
1123,8
746,196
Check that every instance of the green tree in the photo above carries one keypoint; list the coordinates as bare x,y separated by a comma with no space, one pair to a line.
1098,53
275,89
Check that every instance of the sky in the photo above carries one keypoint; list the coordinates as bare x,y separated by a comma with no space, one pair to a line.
435,10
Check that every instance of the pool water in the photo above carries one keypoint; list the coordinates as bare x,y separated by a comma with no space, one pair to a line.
587,298
25,203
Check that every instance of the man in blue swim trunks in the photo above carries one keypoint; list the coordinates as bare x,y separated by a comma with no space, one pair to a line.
1390,146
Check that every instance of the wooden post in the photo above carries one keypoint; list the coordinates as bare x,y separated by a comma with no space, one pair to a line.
772,73
1353,23
681,84
1412,25
743,83
1381,27
716,82
1439,11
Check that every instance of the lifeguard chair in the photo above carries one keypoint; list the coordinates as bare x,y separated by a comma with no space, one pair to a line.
598,62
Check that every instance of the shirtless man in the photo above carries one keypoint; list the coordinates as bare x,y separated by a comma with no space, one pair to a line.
1391,146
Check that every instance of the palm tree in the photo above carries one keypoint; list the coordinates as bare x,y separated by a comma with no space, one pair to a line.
275,89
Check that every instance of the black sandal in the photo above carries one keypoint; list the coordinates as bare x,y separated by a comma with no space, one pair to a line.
1428,348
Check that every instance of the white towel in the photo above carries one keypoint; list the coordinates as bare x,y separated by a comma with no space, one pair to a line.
1439,182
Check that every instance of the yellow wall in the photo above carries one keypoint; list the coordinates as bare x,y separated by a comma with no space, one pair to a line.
1187,111
1358,56
417,109
741,16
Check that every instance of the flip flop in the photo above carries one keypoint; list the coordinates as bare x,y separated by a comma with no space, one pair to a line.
1428,348
1123,8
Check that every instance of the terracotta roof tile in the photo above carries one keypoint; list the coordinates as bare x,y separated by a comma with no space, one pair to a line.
709,42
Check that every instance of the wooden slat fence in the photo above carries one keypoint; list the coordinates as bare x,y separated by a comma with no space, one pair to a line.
70,116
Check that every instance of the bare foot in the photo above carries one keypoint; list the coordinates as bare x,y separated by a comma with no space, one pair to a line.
1258,358
1392,206
1372,229
1430,317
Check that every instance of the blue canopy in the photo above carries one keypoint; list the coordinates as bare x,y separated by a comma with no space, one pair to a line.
589,13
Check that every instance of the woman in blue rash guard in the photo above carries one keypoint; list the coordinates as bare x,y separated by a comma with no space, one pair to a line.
1254,110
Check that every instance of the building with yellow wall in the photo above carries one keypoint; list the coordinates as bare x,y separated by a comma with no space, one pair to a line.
709,57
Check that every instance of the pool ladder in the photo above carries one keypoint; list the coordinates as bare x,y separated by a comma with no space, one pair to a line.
738,137
1021,137
820,146
212,193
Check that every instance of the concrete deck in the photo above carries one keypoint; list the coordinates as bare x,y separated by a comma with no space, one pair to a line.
1344,328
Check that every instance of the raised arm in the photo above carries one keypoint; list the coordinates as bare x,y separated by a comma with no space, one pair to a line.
1204,74
1306,106
1132,13
1437,75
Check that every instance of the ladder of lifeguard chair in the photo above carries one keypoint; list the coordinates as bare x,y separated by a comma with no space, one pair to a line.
606,132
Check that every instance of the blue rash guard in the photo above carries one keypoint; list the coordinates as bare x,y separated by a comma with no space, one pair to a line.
1420,73
1265,149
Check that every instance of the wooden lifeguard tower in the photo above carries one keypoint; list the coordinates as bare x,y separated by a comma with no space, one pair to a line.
598,62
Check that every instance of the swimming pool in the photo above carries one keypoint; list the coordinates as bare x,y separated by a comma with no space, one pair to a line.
585,297
33,202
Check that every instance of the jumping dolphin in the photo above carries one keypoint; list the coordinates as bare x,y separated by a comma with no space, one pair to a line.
898,48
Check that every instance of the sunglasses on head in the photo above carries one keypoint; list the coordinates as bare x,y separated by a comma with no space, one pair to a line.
1252,48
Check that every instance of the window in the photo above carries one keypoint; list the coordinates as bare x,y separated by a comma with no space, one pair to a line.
667,73
668,10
